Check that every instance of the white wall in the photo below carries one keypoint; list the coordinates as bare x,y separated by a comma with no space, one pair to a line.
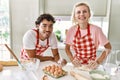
114,23
61,8
23,15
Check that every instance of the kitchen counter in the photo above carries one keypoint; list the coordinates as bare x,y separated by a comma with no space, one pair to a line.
15,73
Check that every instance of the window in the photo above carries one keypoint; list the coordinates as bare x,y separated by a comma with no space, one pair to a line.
4,29
63,23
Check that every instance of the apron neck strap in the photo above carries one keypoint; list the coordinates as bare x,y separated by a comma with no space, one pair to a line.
78,30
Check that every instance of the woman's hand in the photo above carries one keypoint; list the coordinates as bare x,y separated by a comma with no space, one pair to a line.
92,64
76,62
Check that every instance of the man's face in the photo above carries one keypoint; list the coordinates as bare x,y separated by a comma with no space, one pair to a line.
46,28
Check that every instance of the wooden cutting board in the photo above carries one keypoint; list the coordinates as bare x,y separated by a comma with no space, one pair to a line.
9,63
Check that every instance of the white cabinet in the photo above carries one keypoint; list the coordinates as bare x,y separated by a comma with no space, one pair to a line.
64,7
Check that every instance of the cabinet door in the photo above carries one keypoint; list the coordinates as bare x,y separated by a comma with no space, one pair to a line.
64,7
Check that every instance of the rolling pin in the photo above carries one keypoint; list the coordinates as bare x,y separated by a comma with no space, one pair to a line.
78,76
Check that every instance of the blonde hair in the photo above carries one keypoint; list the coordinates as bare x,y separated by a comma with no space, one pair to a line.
73,11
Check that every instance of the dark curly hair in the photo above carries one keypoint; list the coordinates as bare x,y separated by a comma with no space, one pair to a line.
48,17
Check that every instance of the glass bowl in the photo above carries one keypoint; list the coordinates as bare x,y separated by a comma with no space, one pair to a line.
99,75
31,64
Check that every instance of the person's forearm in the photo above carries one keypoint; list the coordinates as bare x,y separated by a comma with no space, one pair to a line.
45,58
69,54
55,54
56,57
104,53
103,56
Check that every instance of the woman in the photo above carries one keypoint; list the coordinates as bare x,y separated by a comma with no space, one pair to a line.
37,40
85,39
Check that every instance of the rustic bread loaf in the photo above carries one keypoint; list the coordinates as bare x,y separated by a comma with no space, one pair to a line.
1,67
9,63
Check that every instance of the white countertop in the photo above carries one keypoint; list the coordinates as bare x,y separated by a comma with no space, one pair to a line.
15,73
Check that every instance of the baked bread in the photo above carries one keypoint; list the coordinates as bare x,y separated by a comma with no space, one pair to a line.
1,67
9,63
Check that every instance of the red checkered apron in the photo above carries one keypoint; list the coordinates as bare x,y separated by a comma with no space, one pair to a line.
39,48
84,47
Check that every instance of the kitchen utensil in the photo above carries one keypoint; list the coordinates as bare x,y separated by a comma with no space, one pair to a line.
32,64
78,76
19,63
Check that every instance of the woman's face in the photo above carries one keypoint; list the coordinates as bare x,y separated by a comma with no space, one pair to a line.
46,28
82,14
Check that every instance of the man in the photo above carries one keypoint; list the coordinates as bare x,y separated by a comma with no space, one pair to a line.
37,40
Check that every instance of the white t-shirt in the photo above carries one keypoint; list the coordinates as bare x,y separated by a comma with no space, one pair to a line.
29,40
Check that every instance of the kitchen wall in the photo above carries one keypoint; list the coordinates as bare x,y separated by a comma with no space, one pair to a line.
114,24
24,13
64,8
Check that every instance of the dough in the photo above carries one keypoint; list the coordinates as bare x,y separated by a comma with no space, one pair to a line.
84,68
